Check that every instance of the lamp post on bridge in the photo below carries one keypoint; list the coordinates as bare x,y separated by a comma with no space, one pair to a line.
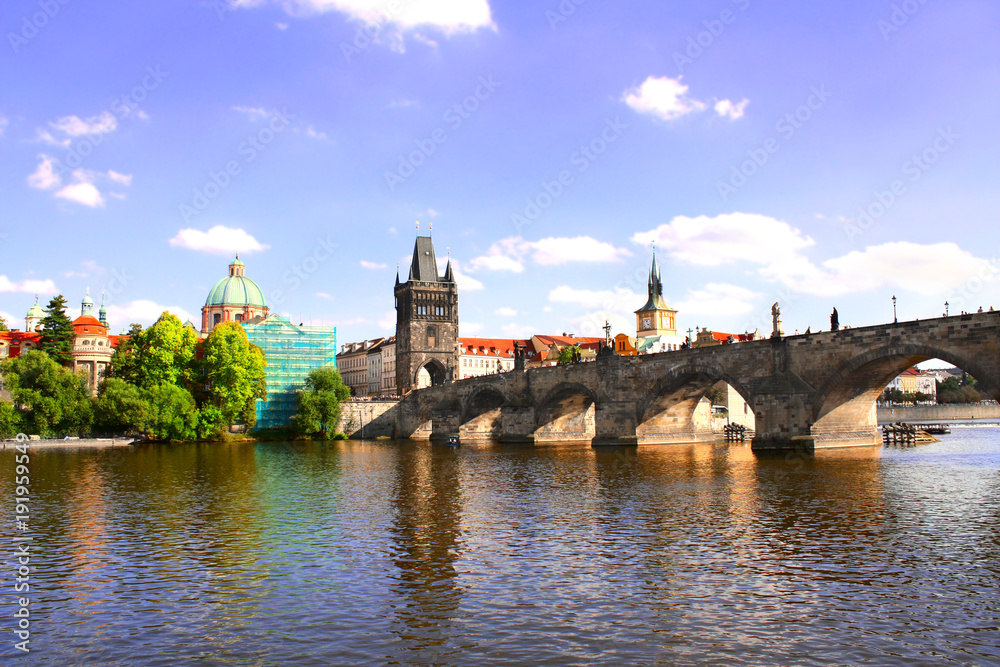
946,309
894,320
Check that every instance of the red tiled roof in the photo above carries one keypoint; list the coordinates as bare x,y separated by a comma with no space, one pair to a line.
491,347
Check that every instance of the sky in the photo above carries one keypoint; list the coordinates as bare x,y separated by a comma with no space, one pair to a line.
814,155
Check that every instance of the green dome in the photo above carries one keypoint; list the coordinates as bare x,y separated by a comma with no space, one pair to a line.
36,311
236,291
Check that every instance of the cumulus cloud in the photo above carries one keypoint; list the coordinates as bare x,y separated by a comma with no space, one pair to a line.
715,298
44,177
29,286
727,238
510,254
727,109
505,312
74,126
469,328
82,191
253,113
619,298
324,295
668,99
445,15
372,265
123,179
144,311
219,240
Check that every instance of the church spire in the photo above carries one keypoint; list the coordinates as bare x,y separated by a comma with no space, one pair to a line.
655,282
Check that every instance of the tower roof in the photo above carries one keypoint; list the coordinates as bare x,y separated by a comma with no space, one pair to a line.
236,290
424,265
36,310
655,290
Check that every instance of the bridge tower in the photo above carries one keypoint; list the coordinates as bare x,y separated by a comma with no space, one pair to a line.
426,322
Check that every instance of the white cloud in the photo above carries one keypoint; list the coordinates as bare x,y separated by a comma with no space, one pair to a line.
253,113
515,330
12,322
591,325
445,15
727,109
717,298
662,97
387,322
124,179
218,240
469,328
372,265
505,312
312,133
82,192
466,283
403,103
143,311
727,238
620,298
45,137
30,286
324,295
281,26
510,254
44,177
74,126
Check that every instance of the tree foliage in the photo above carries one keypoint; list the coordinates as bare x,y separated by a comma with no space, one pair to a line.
163,353
120,408
232,368
173,414
51,400
3,324
569,354
319,403
960,390
10,420
57,332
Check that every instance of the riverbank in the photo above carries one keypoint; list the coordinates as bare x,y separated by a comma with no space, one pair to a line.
74,442
943,412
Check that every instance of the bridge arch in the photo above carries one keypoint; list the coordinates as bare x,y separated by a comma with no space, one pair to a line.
669,412
430,374
845,406
481,414
566,414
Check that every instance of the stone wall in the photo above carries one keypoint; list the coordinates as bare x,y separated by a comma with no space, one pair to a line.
377,417
948,412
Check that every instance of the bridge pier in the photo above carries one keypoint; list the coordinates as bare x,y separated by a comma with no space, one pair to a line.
783,414
615,423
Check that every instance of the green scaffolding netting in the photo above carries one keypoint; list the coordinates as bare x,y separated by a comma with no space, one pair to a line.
291,351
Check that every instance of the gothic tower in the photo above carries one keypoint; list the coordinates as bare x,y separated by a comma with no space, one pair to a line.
426,322
655,318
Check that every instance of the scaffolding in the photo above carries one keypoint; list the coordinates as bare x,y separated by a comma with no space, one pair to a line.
291,352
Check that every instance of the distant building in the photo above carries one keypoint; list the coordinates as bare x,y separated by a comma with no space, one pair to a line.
485,356
914,381
352,362
374,360
388,351
655,322
235,298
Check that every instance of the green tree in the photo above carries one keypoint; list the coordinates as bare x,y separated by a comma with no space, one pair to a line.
172,413
717,395
233,370
212,423
51,400
319,403
10,420
57,332
120,408
163,353
3,324
569,354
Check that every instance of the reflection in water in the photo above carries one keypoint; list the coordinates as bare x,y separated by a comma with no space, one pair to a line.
404,553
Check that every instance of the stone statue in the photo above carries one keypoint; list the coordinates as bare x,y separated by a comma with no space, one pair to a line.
834,321
776,320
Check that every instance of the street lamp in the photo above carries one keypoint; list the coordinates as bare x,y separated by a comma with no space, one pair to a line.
946,309
894,320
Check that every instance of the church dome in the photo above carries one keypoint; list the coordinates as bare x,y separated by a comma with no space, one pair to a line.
236,289
36,311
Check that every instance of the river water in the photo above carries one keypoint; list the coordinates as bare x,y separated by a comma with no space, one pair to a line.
411,554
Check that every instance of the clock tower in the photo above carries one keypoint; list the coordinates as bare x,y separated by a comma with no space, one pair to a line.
656,318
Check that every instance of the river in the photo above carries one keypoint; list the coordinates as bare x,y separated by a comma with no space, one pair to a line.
369,553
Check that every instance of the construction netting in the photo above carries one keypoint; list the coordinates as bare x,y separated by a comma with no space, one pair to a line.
291,351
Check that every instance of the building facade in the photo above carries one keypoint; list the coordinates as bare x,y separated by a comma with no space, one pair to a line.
388,351
426,322
352,362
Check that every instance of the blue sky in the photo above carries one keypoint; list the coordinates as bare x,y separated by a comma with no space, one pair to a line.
811,154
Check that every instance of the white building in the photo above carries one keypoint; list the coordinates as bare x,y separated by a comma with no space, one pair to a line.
484,356
352,362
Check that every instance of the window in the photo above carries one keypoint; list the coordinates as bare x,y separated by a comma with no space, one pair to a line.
431,336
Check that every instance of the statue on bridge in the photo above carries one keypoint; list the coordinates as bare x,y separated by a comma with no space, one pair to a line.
776,321
834,321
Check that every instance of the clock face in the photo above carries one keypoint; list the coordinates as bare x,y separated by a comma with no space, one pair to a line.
646,322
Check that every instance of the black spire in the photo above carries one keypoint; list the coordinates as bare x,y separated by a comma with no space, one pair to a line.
655,289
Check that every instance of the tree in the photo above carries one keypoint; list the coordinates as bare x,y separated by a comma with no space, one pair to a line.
172,413
163,353
120,408
717,395
319,402
57,332
10,420
233,370
3,324
51,400
569,354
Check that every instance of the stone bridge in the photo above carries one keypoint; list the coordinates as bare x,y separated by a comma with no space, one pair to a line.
807,391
